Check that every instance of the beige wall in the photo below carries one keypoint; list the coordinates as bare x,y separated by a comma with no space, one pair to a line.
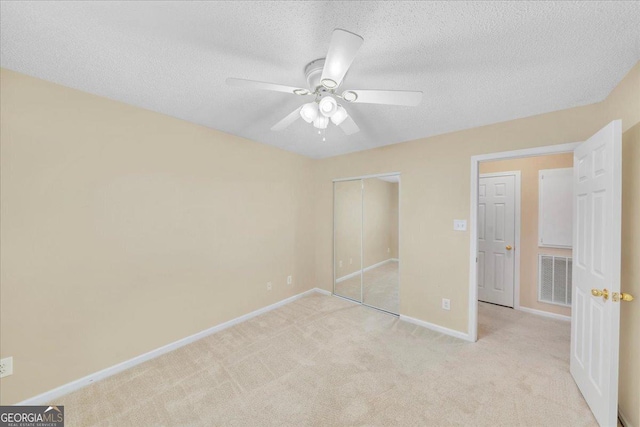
348,227
529,249
124,230
436,189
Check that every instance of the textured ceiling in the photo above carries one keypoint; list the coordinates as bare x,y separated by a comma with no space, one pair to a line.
476,62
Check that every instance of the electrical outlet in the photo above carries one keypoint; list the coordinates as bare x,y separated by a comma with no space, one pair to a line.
340,263
268,286
6,367
350,261
289,280
446,304
388,250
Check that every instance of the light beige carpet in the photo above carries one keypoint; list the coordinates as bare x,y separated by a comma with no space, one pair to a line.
380,287
323,361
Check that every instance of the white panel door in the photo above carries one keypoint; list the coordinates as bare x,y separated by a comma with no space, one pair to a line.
496,239
595,327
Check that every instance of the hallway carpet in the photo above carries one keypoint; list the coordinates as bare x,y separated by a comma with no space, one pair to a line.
323,361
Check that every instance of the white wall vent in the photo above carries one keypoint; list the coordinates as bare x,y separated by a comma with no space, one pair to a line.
554,279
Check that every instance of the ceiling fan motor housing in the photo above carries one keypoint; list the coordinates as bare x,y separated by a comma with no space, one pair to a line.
313,72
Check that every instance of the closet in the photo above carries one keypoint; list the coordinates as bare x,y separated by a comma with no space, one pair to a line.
366,243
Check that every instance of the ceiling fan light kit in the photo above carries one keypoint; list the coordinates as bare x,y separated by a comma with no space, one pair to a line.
339,116
321,122
309,112
328,106
324,76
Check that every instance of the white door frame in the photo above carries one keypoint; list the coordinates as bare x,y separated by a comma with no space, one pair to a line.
516,243
473,218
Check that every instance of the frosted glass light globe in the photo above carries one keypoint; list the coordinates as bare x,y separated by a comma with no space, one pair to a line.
321,122
339,116
328,106
309,112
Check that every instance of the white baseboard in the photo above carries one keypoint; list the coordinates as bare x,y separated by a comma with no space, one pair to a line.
437,328
544,313
625,421
65,389
322,291
371,267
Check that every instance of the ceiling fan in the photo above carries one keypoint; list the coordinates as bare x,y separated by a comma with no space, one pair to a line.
324,77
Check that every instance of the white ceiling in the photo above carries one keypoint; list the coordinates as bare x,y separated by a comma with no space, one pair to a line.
476,62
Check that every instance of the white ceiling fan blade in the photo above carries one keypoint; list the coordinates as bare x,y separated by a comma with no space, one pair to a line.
349,126
342,49
253,84
292,117
389,97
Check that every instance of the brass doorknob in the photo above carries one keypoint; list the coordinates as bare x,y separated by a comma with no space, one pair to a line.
622,297
600,293
509,247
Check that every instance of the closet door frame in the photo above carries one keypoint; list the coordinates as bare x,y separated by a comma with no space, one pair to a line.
361,178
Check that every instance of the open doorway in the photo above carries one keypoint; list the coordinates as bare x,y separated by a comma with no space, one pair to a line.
596,212
474,265
525,232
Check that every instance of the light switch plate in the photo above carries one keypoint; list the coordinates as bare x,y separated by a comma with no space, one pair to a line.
460,224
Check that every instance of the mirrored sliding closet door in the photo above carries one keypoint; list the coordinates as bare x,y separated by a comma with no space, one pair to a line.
366,254
347,216
380,274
